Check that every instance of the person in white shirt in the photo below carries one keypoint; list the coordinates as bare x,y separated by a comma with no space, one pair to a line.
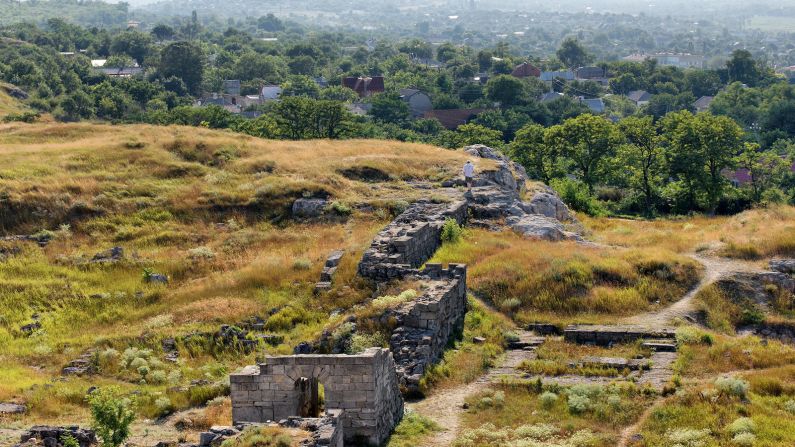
469,173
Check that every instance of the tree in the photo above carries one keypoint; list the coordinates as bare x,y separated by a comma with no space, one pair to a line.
572,54
588,141
112,415
300,85
721,140
765,168
135,44
507,90
623,84
270,23
446,52
470,133
163,32
293,116
643,158
251,65
329,117
184,60
743,68
530,150
389,108
77,105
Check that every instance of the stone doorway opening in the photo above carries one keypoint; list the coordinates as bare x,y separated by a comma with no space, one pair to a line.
311,397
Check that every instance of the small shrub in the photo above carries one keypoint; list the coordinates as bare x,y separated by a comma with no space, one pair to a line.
158,376
548,400
392,301
578,404
360,342
731,386
744,439
260,437
688,437
790,406
451,231
112,416
174,377
201,254
164,405
67,440
742,425
302,264
340,208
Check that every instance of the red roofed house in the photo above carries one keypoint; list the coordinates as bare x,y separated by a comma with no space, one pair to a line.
364,86
526,70
742,176
452,118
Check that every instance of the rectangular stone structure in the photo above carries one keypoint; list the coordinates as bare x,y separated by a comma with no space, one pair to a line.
607,335
364,386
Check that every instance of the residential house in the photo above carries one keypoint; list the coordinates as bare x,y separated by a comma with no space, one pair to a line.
551,77
681,60
270,92
481,78
231,87
702,103
590,73
418,102
595,105
526,70
742,176
452,118
120,72
639,97
364,86
550,96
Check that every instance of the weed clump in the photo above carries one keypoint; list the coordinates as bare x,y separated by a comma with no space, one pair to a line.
451,231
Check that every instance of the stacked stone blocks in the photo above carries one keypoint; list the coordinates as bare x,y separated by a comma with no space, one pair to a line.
363,386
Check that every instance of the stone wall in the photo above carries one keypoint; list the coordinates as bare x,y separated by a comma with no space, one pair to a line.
409,240
364,386
425,325
608,335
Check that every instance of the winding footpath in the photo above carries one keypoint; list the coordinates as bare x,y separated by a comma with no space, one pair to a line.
445,406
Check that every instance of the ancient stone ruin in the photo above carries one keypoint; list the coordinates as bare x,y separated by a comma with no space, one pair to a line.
364,391
363,387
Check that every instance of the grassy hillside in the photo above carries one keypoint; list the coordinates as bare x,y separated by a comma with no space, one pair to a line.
9,105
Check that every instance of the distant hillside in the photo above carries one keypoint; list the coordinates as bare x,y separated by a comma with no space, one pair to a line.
8,104
87,13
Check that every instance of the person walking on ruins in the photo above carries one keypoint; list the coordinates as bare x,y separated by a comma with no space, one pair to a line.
469,174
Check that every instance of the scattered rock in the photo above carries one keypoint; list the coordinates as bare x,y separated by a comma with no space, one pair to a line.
478,340
303,348
783,266
16,92
12,408
80,366
30,328
114,254
539,227
550,205
156,278
307,208
51,436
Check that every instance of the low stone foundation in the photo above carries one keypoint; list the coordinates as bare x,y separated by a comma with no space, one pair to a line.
608,335
364,386
426,325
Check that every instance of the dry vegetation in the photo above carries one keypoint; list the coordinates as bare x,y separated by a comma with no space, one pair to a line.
754,234
567,282
208,209
9,105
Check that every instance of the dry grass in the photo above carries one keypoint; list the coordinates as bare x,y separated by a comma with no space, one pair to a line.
9,105
754,234
565,282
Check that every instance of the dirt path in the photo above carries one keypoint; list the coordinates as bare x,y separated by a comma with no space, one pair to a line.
445,408
714,268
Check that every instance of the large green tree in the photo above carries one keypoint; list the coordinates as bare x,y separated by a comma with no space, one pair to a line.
531,151
589,142
642,158
184,60
507,90
572,54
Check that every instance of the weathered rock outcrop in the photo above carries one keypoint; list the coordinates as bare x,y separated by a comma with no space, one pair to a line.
758,288
498,194
53,436
783,266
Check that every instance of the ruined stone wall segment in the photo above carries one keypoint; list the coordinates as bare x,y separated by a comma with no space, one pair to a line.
364,386
409,240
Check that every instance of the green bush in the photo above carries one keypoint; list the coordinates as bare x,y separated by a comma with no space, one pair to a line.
548,400
451,231
576,195
731,386
112,416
